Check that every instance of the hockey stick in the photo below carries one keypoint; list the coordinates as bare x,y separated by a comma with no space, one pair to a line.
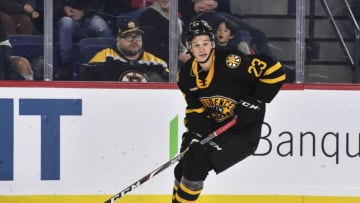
139,182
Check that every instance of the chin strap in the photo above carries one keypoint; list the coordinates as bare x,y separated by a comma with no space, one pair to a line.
207,81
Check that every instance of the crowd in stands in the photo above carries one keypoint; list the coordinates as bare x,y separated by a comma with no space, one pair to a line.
75,20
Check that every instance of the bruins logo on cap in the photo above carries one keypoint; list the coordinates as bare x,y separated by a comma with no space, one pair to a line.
131,25
233,61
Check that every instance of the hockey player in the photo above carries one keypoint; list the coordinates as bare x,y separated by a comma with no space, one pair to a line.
217,85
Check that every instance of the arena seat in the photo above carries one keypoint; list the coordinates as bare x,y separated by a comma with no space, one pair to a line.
28,46
88,47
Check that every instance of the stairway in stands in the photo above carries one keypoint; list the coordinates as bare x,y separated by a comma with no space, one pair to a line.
325,60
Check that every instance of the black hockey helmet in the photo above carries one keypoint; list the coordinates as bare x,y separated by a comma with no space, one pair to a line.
199,27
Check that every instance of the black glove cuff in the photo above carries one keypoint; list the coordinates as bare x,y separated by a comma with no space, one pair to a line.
250,103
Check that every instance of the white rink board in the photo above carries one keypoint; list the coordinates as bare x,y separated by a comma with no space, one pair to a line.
123,134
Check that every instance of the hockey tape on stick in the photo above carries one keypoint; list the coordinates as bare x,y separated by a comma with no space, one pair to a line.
172,161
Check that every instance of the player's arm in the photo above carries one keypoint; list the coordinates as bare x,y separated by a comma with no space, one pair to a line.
196,116
270,77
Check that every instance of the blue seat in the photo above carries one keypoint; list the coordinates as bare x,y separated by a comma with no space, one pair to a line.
88,47
28,46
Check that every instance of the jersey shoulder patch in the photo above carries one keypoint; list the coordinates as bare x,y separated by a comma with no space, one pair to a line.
233,61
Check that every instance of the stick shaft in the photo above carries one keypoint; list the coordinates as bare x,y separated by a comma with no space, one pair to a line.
172,161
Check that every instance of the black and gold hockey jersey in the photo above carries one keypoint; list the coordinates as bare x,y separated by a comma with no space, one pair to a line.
232,76
110,65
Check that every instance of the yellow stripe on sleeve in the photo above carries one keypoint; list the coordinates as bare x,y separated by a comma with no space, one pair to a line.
274,80
273,69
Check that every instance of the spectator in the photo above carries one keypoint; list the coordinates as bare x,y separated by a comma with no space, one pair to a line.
79,21
17,16
126,61
207,10
116,7
38,22
189,8
11,67
225,34
115,11
155,21
23,66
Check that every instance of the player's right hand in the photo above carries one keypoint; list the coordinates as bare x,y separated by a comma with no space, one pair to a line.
249,110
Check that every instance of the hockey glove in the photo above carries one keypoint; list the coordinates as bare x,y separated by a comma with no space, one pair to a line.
189,137
249,110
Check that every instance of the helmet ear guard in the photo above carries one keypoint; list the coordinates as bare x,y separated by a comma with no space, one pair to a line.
199,27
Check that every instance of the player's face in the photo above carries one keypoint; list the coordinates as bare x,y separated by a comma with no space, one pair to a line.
201,47
223,35
130,44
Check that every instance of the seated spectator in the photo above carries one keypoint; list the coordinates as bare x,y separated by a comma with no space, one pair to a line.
114,11
116,7
38,22
189,8
23,66
17,16
12,68
126,61
224,35
155,21
207,10
79,21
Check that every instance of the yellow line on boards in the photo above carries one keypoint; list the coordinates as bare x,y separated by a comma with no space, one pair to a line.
167,199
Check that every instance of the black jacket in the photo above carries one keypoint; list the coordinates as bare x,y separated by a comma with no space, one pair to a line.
88,6
15,6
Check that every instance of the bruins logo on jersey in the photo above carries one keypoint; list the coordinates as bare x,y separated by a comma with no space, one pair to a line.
133,76
233,61
220,107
